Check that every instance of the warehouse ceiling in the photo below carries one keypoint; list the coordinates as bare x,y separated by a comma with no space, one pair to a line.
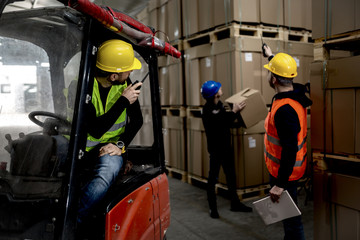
131,7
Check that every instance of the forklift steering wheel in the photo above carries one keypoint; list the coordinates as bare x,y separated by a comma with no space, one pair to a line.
51,126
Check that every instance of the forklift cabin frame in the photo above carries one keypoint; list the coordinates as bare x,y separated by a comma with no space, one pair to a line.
58,210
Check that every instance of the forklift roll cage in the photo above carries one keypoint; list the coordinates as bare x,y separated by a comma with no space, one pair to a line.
56,210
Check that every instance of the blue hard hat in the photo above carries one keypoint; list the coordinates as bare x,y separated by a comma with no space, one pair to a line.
210,88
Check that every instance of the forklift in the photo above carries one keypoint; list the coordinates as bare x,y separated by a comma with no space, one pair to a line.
47,62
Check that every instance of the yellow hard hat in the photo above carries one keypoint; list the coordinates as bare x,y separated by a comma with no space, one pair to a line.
283,65
116,56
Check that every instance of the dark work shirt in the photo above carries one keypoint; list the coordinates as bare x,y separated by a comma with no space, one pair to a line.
98,126
288,126
217,123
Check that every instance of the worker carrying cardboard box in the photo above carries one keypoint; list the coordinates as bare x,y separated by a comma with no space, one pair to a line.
286,133
217,122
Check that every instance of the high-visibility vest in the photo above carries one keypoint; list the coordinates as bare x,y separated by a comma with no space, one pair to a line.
273,148
113,134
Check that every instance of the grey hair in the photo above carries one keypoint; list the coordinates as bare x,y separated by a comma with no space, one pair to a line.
283,81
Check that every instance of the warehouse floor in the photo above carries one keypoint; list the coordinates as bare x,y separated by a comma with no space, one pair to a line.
190,218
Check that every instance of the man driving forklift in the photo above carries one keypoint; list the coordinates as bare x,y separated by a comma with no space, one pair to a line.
114,99
54,74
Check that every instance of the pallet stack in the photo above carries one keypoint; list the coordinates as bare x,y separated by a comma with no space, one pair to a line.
221,40
335,120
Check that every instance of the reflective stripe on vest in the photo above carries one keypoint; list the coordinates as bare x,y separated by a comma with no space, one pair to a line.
273,147
113,134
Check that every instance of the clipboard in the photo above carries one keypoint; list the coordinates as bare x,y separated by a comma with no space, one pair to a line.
271,212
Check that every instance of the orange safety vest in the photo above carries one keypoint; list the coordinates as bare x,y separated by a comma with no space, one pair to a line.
273,147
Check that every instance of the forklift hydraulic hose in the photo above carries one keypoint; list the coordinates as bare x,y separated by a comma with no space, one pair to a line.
139,34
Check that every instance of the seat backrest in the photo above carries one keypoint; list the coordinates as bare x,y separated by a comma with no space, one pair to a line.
33,155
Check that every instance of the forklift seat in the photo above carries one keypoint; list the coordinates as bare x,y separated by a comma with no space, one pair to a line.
33,169
33,155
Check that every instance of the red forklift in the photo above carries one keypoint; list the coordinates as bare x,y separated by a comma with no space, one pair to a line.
47,58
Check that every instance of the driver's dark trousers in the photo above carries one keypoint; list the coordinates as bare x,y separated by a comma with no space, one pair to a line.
226,160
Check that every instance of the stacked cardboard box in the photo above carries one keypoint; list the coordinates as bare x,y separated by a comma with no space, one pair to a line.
238,64
171,81
179,19
335,121
174,141
197,155
336,206
335,17
231,55
335,118
249,157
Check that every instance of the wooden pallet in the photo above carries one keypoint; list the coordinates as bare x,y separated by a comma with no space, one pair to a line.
298,36
194,111
338,156
247,194
339,37
349,42
173,111
321,160
233,30
177,173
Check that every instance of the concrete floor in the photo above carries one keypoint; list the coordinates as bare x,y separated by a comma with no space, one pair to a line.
190,218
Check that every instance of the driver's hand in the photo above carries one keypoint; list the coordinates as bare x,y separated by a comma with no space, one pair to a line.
131,93
110,149
128,166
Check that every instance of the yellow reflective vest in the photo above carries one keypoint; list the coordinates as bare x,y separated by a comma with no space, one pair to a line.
113,134
273,148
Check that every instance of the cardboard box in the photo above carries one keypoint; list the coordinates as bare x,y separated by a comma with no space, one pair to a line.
343,115
192,82
226,11
190,22
237,66
195,153
357,121
297,14
175,137
143,16
176,90
249,159
174,31
166,138
321,127
318,19
255,109
344,73
336,206
199,68
272,12
321,221
205,14
207,72
340,111
153,18
162,23
342,16
164,85
339,16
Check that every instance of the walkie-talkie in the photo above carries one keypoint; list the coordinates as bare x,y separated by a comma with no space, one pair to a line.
263,46
138,88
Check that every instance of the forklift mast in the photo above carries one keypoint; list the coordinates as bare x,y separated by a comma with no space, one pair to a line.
47,67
